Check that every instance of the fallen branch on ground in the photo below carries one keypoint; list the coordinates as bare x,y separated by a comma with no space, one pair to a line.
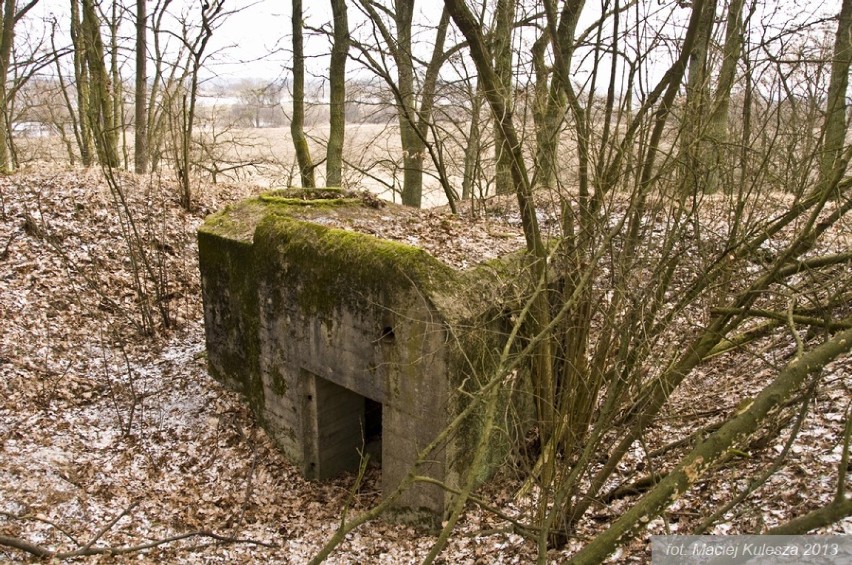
86,551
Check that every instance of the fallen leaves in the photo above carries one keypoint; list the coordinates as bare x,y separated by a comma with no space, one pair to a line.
96,418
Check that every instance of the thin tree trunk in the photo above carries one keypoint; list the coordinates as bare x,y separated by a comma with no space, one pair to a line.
163,86
337,97
101,117
835,123
718,126
81,76
7,38
297,124
140,150
504,17
427,104
117,87
209,13
471,152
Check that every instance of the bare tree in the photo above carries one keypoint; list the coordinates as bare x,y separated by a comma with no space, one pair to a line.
211,14
140,100
297,123
260,103
101,108
10,16
337,96
414,105
83,129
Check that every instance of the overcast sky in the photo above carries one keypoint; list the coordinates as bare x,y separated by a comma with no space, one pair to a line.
254,41
246,42
257,38
260,27
246,38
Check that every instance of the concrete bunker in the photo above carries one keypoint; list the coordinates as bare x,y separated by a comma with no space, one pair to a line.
346,344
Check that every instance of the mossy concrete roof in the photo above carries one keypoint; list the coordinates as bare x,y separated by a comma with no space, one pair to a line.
304,222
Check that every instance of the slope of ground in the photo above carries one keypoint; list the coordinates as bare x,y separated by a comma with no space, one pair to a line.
111,437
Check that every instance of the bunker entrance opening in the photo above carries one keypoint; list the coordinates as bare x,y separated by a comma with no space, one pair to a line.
373,430
340,426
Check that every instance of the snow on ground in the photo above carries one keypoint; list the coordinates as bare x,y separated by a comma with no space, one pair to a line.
112,438
98,423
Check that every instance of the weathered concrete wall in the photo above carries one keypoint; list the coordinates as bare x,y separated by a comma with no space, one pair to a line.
308,321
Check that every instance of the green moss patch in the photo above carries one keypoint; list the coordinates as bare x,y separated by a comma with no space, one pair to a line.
332,267
309,197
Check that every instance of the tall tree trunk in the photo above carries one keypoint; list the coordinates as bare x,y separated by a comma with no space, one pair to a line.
471,151
337,97
835,123
546,141
727,73
81,76
717,129
140,150
7,38
696,166
414,116
415,119
101,116
502,41
413,147
297,124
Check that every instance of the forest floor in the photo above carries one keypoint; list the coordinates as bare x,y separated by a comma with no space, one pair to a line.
111,437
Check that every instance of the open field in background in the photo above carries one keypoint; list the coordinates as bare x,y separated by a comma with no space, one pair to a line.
265,157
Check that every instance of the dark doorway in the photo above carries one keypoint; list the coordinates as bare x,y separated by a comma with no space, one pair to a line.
373,430
339,426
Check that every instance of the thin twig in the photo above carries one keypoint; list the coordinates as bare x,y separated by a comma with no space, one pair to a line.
50,523
844,459
111,523
773,468
43,552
